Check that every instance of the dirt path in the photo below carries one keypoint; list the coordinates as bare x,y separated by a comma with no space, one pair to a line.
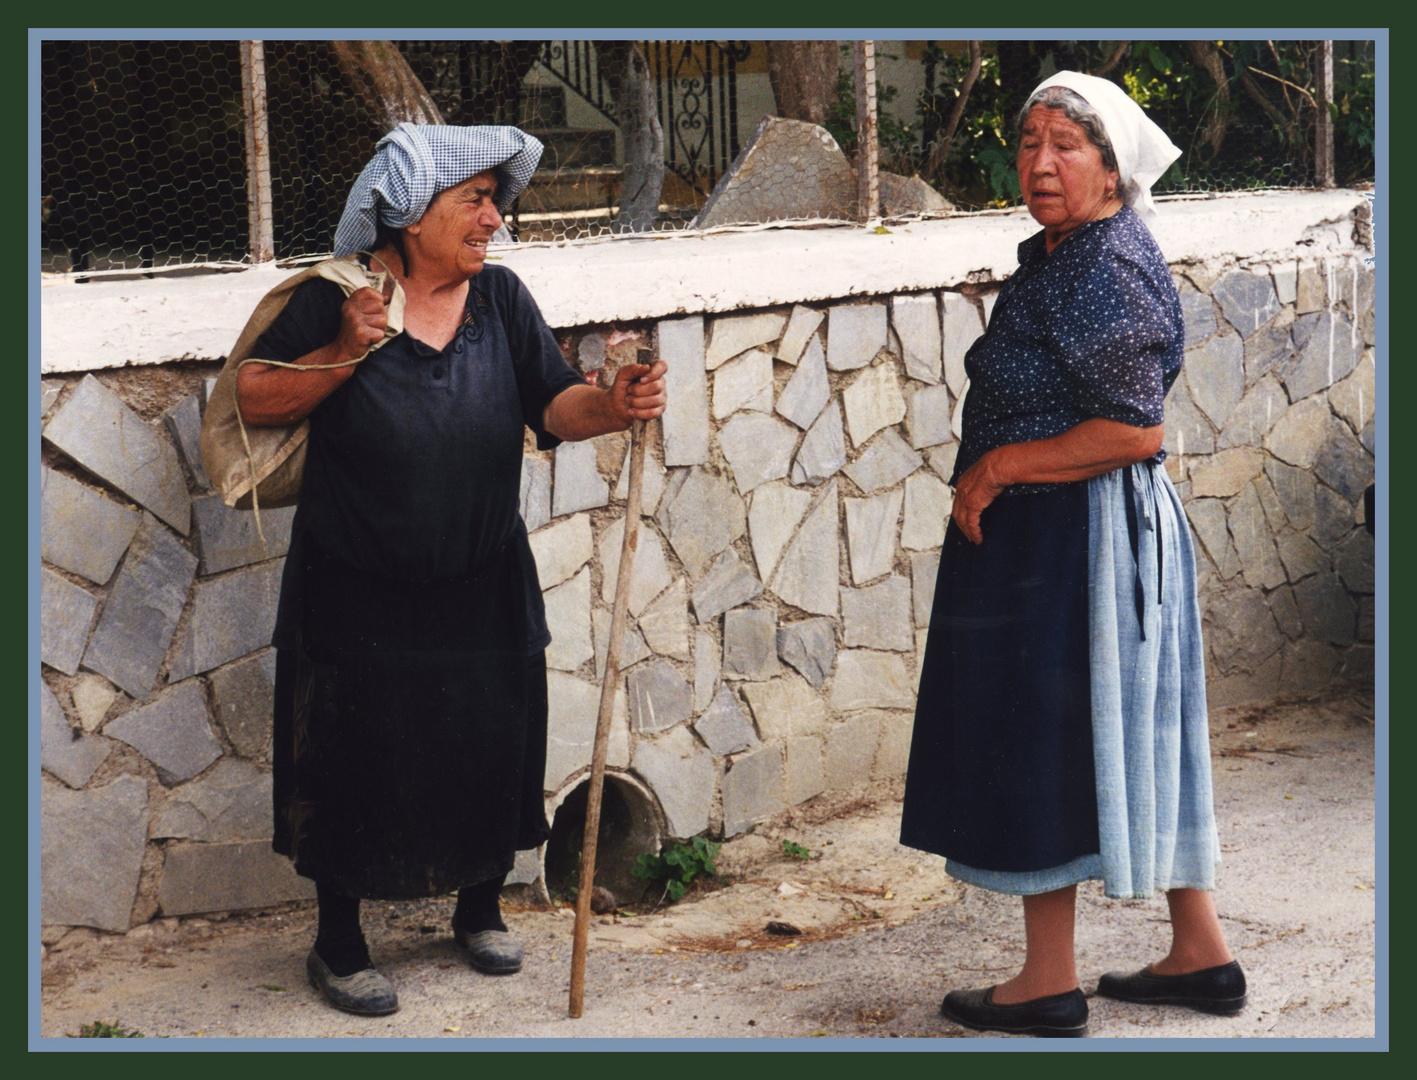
886,933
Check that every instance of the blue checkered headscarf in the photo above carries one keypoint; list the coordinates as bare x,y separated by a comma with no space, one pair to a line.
414,162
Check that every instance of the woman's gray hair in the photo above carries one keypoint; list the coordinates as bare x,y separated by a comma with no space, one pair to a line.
1075,107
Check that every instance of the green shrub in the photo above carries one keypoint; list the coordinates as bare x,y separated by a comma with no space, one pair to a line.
795,851
102,1030
678,866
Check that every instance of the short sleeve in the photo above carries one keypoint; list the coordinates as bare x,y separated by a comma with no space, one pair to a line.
1119,335
309,321
542,372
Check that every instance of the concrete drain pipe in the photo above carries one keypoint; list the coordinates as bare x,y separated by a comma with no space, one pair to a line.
631,825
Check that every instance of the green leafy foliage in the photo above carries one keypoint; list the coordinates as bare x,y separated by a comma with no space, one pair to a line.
979,168
678,866
898,141
101,1029
1255,129
795,851
1353,112
996,164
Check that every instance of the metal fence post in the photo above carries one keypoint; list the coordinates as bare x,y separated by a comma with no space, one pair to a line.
1323,129
868,180
258,152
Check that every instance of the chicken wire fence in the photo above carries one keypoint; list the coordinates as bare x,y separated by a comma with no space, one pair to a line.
1246,115
173,153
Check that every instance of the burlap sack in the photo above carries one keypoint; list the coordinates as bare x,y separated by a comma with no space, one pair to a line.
272,459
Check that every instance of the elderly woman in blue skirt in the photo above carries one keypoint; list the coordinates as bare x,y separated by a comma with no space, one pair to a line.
1061,731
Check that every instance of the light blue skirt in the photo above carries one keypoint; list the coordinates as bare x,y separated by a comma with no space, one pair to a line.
1150,727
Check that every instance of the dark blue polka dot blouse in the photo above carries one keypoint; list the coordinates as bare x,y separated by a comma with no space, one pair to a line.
1094,329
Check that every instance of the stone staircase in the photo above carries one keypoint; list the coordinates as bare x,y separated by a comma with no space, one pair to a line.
577,171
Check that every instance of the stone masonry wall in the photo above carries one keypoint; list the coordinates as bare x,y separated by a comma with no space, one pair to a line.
1271,433
794,512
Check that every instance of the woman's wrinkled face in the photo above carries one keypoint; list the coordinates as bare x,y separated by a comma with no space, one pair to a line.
453,232
1061,174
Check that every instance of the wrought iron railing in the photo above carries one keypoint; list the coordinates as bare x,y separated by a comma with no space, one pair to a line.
696,90
575,64
698,106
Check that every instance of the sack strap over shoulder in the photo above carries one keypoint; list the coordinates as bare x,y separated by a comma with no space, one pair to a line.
273,447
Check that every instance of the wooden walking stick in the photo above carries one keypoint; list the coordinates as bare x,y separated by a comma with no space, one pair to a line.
607,705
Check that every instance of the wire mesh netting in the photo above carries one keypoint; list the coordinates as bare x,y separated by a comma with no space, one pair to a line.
571,95
145,164
1243,113
143,153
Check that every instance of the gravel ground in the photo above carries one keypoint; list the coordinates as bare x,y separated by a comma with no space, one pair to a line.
885,932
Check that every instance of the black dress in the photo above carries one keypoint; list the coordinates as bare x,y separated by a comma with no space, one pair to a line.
410,701
1001,774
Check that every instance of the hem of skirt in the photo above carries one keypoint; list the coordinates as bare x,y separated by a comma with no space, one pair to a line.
1028,882
369,887
1084,868
1147,894
1209,886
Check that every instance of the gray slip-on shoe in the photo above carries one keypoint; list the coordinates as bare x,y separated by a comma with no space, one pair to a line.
365,993
492,952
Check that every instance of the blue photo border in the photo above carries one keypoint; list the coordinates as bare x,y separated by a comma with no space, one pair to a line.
1380,1042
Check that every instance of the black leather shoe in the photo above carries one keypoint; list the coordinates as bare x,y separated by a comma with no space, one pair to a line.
1219,990
1059,1016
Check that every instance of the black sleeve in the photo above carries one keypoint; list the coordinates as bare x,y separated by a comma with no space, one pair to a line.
542,372
310,321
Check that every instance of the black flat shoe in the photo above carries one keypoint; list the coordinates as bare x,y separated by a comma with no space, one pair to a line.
1061,1016
1219,990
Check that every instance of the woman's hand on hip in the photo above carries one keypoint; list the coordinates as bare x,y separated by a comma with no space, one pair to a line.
977,488
1093,447
639,392
363,320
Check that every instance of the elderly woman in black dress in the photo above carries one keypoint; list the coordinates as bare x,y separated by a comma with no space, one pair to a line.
410,726
1061,731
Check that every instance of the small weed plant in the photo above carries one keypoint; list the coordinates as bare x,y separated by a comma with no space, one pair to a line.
796,851
99,1029
678,866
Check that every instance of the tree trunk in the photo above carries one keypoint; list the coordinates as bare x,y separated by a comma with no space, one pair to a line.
385,83
936,161
629,79
1323,130
803,76
1212,130
496,100
1112,61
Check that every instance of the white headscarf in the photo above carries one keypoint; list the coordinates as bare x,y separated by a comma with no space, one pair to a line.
1143,150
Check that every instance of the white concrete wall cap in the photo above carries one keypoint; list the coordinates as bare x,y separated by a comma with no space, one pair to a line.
122,322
